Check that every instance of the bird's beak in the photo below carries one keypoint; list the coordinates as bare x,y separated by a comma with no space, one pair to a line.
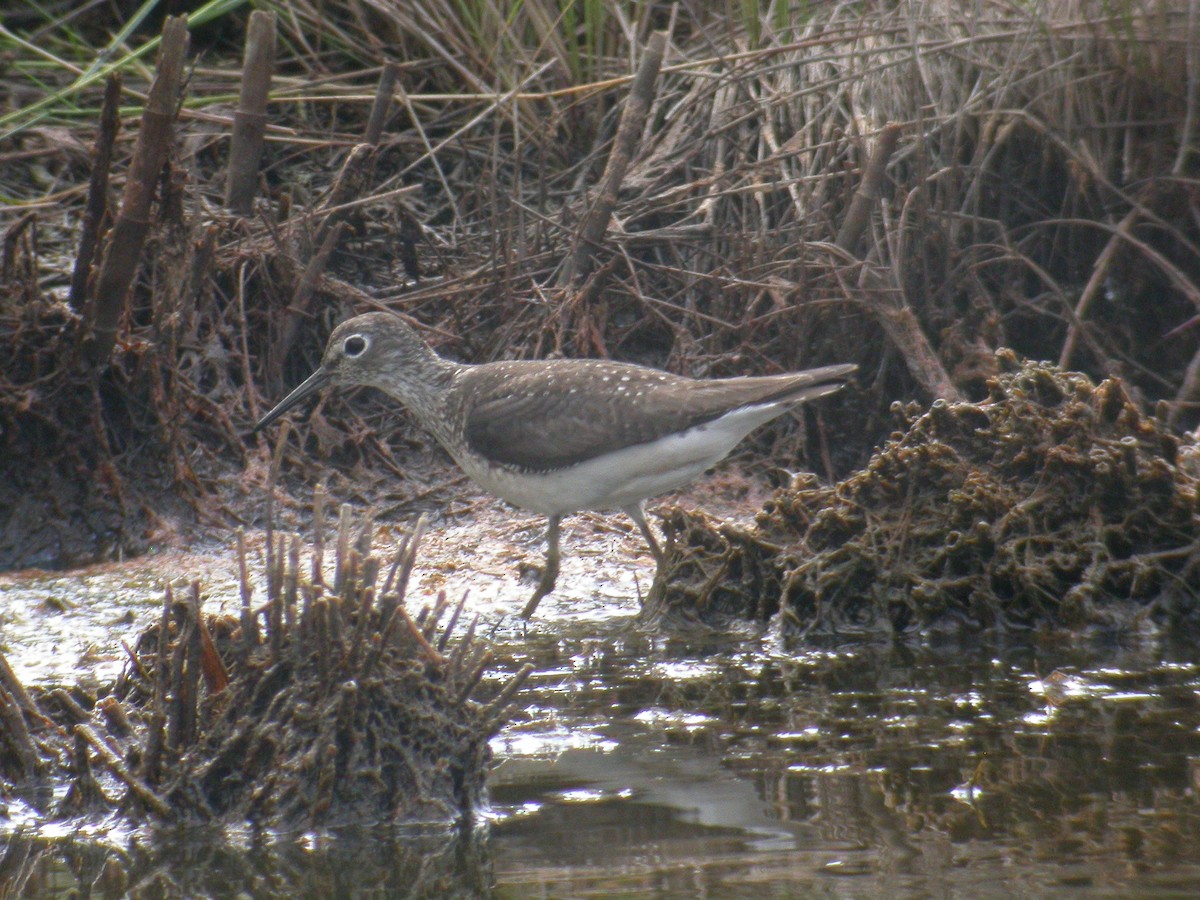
311,385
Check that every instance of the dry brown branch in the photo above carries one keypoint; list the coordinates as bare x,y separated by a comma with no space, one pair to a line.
633,117
16,735
141,791
350,183
250,120
879,290
858,216
97,202
129,233
382,104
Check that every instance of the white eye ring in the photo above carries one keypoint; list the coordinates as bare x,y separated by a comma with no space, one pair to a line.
356,345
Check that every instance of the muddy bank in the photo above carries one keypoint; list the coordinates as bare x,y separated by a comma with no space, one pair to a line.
1053,502
145,322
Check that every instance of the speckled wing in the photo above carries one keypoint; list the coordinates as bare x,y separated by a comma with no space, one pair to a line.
581,409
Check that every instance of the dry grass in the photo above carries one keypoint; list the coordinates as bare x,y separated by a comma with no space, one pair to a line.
1042,196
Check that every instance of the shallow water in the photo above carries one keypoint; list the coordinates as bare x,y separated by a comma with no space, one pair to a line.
642,766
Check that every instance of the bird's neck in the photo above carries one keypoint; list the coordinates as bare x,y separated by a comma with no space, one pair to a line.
423,385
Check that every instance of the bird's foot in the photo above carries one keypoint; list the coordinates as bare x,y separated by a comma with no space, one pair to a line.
545,585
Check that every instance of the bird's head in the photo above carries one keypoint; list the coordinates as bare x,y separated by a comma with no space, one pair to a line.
377,349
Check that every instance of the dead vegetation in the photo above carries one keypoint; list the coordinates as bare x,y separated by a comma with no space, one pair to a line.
327,704
1052,503
1025,177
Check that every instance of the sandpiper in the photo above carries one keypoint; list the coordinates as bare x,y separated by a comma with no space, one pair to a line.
560,436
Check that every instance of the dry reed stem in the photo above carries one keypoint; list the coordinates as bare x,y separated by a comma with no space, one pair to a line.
216,676
382,104
496,708
133,223
144,794
350,183
13,687
96,209
882,293
858,216
16,733
250,120
595,223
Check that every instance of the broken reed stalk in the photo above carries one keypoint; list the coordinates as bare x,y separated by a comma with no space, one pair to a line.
138,788
349,184
496,707
878,288
342,552
272,480
133,223
318,540
156,736
216,676
96,209
858,216
16,733
382,105
633,118
306,287
250,120
12,685
12,238
885,299
249,623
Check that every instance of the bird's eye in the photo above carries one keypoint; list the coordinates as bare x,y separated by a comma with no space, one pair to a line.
356,345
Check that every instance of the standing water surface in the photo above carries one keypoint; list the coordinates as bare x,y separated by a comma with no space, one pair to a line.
638,765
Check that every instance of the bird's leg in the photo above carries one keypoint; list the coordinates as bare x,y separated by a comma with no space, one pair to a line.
550,572
638,515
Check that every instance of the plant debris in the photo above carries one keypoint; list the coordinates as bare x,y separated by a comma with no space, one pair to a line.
1054,502
330,704
760,220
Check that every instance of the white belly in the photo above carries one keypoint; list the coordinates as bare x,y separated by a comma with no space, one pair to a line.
629,475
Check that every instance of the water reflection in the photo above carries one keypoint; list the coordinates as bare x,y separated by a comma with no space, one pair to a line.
204,863
643,766
867,770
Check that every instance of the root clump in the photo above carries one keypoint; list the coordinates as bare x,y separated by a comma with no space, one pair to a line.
1053,502
329,705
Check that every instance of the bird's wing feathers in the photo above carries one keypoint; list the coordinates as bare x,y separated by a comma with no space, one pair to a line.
500,416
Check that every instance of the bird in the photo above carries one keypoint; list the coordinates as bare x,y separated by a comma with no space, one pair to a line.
565,435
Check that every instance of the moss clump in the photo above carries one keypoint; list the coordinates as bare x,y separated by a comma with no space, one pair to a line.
1052,502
